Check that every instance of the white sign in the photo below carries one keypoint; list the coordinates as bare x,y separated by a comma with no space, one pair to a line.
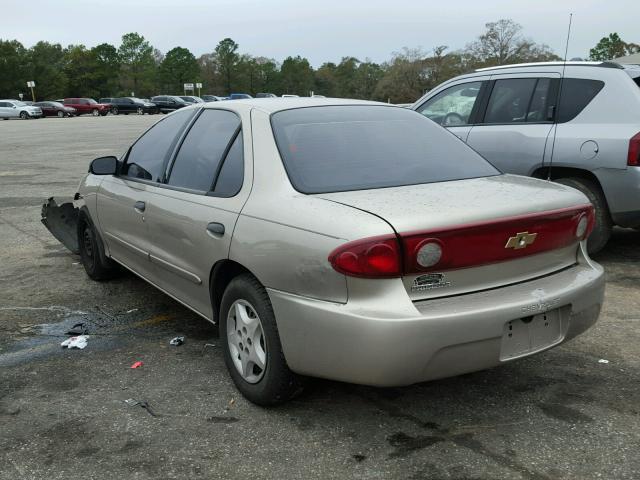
20,95
188,86
198,85
31,84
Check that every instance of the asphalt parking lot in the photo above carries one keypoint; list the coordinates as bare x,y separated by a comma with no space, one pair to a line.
563,414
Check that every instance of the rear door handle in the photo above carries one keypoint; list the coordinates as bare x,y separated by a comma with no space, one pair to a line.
140,206
215,228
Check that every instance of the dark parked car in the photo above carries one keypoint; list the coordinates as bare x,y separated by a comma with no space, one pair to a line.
212,98
266,95
239,96
129,105
55,109
191,99
168,103
87,106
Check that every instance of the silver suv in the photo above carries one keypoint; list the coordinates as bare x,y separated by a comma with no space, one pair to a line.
583,132
17,109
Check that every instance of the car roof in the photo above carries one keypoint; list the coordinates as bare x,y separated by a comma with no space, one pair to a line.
552,64
271,105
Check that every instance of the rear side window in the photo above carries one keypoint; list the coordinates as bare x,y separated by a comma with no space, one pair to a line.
509,100
147,156
353,147
200,156
453,106
576,94
231,176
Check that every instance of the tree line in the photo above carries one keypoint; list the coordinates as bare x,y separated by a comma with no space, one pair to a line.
136,68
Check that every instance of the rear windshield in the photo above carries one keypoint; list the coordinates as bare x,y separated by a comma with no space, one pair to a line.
342,148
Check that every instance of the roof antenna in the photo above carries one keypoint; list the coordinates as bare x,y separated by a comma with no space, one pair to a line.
557,113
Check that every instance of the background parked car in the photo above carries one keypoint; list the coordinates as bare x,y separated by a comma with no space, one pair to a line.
288,95
212,98
191,99
55,109
589,139
127,105
168,103
266,95
239,96
88,106
17,109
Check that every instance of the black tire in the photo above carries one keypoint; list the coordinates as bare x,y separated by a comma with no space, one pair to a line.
94,261
114,111
602,229
60,114
95,112
24,115
278,384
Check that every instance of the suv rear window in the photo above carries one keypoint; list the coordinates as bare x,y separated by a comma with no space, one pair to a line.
353,147
576,94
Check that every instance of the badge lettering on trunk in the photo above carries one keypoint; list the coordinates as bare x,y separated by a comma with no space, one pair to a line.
429,282
521,240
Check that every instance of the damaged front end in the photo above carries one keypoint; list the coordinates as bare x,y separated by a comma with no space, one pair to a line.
62,221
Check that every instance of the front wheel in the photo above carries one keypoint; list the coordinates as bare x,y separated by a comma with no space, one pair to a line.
140,111
95,112
604,224
94,261
24,115
60,114
251,344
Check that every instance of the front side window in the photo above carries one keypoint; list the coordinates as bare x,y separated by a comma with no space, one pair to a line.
147,156
452,106
199,158
353,147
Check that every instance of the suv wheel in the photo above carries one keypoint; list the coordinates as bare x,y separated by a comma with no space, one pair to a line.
114,110
95,112
251,344
602,229
24,115
94,261
140,111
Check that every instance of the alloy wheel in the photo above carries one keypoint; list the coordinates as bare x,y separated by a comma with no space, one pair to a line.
247,344
140,111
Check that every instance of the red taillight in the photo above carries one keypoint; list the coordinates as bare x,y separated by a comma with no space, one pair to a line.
633,157
377,257
463,246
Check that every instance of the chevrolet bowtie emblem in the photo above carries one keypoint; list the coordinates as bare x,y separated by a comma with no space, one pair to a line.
521,240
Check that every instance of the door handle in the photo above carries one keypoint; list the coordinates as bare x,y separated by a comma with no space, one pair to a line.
215,228
139,206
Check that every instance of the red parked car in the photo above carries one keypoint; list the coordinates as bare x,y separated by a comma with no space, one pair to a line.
55,109
85,106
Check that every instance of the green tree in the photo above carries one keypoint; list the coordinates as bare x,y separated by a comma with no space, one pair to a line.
228,59
367,77
138,66
406,77
326,81
79,69
46,66
178,67
612,47
296,76
107,66
13,79
267,75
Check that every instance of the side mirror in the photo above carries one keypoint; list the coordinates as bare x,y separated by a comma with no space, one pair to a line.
104,166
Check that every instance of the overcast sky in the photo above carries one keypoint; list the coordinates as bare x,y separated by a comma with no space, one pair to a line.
319,30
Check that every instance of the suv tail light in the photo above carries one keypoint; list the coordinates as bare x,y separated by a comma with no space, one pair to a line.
463,246
633,157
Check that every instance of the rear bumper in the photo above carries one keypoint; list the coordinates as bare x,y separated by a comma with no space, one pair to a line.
377,342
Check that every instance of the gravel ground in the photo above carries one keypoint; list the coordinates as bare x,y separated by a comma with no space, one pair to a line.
559,415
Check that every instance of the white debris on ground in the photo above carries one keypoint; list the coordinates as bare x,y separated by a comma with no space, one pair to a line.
75,342
602,360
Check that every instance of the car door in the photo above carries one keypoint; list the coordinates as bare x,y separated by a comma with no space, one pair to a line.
196,211
515,128
455,105
124,201
4,109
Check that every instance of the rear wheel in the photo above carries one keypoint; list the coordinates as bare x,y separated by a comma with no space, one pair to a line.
114,110
602,229
94,261
24,115
251,344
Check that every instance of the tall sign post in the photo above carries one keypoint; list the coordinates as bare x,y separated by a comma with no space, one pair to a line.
31,85
198,86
